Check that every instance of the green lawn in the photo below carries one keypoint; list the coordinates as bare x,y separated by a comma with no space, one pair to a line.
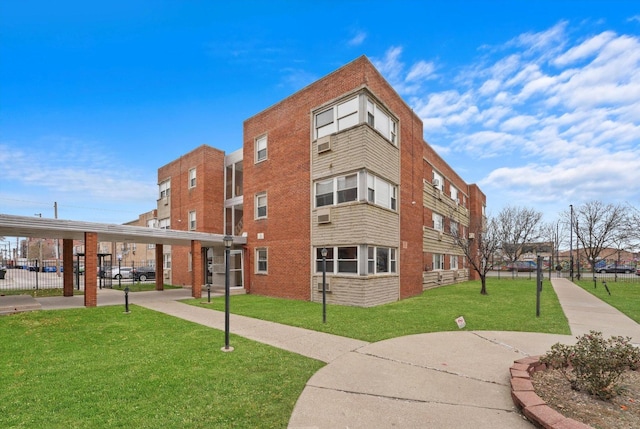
509,306
625,296
140,287
100,368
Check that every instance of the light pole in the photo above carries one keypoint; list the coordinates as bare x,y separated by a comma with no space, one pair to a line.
228,241
323,252
119,271
571,243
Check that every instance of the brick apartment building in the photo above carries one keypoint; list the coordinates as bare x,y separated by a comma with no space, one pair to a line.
340,165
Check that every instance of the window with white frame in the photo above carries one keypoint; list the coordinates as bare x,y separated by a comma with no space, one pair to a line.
261,148
329,259
438,181
438,222
347,188
454,194
453,227
324,193
164,223
348,260
261,261
192,220
337,118
381,260
341,189
438,261
165,188
340,260
382,122
346,114
261,205
166,260
453,262
192,178
381,192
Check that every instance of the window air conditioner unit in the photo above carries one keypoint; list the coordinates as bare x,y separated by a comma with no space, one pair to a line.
324,216
324,144
327,288
435,183
471,236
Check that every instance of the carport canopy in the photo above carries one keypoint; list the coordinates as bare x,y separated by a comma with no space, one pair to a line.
92,233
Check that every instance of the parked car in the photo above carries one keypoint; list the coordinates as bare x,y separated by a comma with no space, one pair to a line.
522,266
612,268
144,273
52,269
638,272
117,273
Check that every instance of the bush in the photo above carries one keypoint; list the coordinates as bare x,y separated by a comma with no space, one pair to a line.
593,364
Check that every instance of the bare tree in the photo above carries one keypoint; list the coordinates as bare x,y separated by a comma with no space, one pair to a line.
517,226
598,227
478,247
555,233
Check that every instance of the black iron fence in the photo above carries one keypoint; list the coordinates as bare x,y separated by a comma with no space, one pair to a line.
35,275
565,267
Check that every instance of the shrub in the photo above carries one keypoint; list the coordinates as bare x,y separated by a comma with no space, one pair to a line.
593,364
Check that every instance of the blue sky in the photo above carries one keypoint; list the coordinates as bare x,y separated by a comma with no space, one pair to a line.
536,101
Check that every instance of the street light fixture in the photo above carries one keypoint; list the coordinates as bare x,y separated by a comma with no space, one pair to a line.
323,252
228,242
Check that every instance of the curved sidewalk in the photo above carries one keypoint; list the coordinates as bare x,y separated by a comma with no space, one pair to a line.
439,380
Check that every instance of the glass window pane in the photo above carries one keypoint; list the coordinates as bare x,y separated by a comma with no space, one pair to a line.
348,107
324,193
382,193
348,267
324,118
348,252
347,121
382,122
382,260
347,188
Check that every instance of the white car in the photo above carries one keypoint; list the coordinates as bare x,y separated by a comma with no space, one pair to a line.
120,273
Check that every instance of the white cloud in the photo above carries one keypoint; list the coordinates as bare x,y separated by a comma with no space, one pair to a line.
422,70
553,117
357,39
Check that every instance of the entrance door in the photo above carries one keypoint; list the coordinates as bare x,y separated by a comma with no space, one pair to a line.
236,273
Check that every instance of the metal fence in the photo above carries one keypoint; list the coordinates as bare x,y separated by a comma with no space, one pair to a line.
34,275
562,267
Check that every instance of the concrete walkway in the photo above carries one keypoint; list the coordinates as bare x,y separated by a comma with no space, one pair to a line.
440,380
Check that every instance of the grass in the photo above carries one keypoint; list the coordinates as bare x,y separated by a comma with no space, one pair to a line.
40,293
141,287
100,368
509,306
624,295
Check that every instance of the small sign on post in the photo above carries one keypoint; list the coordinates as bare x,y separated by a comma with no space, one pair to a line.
461,322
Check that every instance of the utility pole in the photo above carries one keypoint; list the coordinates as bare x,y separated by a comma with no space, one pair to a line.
571,244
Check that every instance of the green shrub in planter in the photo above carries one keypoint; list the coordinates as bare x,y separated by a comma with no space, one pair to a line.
594,365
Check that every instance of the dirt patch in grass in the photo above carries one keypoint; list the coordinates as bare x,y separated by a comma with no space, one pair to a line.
621,412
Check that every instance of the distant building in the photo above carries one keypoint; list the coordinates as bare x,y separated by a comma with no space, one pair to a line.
340,165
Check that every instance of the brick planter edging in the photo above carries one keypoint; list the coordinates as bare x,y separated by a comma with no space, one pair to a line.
532,406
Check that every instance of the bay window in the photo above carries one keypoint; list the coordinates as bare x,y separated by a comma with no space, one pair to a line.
346,114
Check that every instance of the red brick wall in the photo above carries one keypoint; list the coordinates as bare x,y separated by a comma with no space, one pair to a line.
286,178
207,199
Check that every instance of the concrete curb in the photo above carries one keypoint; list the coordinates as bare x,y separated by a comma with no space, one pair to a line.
532,406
